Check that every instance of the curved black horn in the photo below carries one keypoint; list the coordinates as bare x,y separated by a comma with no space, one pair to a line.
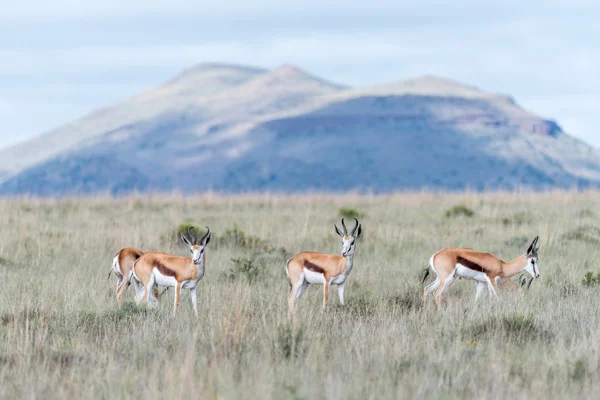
345,229
205,235
354,229
191,235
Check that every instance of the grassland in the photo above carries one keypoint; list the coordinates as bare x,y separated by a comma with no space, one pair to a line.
61,335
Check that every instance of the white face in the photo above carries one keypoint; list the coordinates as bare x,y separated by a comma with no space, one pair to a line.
348,245
197,252
532,267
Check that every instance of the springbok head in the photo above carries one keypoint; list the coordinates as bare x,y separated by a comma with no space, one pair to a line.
533,268
196,245
349,240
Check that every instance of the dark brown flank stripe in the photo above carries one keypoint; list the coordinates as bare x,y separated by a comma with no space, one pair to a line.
313,267
470,264
164,270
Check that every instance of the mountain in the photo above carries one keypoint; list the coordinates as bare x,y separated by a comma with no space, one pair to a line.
235,128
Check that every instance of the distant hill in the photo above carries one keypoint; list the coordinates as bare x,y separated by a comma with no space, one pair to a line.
234,128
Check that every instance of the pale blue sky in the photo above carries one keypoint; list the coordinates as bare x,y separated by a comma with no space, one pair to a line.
60,59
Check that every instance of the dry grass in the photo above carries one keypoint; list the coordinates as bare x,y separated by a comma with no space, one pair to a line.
61,335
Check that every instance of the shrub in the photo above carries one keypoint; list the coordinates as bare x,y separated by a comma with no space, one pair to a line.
182,228
459,210
349,212
244,268
235,237
589,279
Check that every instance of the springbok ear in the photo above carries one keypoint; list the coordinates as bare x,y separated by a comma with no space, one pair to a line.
338,231
358,232
185,240
207,240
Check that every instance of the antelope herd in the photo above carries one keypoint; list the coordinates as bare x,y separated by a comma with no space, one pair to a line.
148,271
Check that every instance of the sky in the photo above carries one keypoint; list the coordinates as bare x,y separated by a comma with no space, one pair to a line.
61,59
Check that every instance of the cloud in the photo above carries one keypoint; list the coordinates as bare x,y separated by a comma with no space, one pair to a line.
95,53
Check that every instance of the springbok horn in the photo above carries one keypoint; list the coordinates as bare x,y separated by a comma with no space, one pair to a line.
345,229
354,229
205,235
191,235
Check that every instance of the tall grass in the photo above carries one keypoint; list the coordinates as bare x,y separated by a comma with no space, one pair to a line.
61,335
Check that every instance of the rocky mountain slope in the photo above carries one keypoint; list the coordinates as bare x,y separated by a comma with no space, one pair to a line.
236,129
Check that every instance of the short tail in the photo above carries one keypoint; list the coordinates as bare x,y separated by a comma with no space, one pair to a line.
114,264
428,269
287,265
426,275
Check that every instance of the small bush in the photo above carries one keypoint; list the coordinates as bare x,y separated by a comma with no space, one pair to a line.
182,228
589,279
349,212
235,237
245,268
459,210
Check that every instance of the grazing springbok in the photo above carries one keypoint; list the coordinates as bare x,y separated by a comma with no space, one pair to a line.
168,270
484,268
122,265
322,269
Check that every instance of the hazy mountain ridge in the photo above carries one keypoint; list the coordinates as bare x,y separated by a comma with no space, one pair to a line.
235,128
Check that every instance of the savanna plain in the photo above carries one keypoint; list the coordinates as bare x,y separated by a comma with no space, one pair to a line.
62,335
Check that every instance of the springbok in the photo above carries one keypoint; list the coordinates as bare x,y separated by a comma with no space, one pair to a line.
168,270
484,268
122,266
322,269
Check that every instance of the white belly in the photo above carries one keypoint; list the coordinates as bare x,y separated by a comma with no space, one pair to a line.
163,280
468,273
314,277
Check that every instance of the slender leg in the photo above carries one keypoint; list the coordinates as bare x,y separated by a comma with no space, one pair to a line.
292,296
445,283
449,282
480,286
429,289
148,293
147,289
341,293
493,289
300,292
177,297
119,291
325,294
155,291
194,300
139,290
